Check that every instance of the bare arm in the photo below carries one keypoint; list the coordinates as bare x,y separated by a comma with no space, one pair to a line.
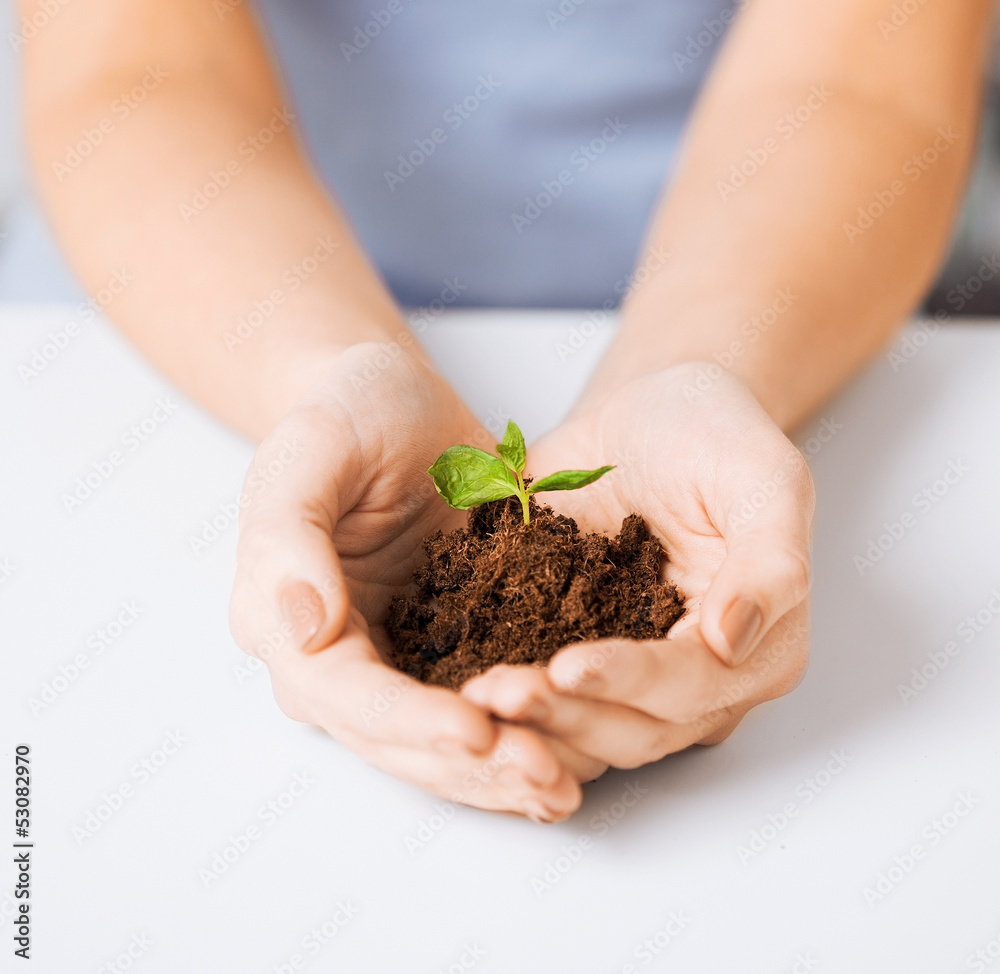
262,242
817,187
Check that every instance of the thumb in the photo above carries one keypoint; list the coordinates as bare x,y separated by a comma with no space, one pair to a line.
289,586
766,571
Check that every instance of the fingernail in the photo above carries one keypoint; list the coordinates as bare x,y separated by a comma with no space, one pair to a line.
534,710
302,609
537,812
572,679
740,625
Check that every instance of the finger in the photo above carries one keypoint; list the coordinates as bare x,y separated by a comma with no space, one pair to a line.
500,780
581,767
614,734
720,726
678,680
766,570
425,734
348,691
289,579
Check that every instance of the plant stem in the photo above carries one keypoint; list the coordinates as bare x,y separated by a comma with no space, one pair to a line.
523,495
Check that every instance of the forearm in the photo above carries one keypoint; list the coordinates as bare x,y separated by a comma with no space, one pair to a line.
243,280
772,270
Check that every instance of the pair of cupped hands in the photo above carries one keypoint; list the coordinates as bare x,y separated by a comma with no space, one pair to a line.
338,503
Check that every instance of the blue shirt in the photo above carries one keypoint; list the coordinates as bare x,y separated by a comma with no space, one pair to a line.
507,152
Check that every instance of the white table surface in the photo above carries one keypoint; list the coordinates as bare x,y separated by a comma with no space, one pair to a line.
459,895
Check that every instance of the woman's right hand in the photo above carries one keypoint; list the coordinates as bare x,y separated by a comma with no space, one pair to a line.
336,505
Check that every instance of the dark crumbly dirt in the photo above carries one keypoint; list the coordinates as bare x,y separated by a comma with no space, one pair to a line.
500,591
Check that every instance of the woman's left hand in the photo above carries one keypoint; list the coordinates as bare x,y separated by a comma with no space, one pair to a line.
731,500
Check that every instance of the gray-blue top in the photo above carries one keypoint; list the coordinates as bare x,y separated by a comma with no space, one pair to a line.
515,148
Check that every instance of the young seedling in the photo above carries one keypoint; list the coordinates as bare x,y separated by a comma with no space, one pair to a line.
466,477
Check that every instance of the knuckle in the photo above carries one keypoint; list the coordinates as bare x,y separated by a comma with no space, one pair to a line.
793,572
728,720
288,703
792,674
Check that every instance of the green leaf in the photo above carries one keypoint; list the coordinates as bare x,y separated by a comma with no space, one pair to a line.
465,477
512,450
568,479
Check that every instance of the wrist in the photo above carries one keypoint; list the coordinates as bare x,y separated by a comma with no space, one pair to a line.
293,370
707,339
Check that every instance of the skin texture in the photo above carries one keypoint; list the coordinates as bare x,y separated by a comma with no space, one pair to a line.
324,545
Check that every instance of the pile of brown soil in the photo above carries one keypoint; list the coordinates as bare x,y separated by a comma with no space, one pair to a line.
502,591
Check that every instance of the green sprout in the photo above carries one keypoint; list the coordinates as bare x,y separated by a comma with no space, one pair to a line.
466,476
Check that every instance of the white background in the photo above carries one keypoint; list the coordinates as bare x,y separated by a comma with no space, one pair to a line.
418,903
